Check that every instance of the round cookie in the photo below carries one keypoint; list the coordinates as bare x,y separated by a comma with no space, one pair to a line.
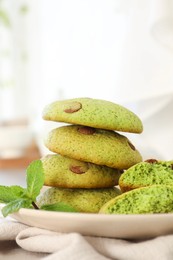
94,113
82,200
93,145
151,199
147,173
65,172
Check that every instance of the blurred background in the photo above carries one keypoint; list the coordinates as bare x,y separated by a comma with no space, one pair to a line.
118,50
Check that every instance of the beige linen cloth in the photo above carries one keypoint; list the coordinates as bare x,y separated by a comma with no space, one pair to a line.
74,246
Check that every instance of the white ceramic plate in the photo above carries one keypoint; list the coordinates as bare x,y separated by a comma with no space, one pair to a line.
117,226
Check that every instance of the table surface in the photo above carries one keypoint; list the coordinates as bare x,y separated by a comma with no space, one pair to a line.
30,154
13,170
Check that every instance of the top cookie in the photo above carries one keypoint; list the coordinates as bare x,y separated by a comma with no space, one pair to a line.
94,113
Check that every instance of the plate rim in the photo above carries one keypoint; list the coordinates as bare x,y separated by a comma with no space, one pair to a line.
100,225
24,211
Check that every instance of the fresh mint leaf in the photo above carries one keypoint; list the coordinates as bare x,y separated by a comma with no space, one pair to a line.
10,193
59,207
15,205
17,197
34,179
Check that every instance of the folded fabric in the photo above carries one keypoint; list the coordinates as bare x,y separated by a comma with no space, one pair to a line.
10,229
75,246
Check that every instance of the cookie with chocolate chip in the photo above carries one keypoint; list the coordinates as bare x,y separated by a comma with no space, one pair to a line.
61,171
94,113
82,200
98,146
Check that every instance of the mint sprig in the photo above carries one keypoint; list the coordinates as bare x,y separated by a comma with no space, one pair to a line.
15,205
16,197
34,179
60,206
8,194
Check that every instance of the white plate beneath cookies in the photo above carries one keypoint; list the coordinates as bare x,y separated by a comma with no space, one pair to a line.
115,226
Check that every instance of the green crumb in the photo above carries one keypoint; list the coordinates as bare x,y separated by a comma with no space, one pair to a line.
145,174
152,199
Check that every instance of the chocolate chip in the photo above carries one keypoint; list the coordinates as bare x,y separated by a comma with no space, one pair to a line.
151,161
131,146
86,130
78,169
72,107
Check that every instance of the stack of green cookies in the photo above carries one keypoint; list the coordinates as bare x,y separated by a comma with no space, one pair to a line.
89,156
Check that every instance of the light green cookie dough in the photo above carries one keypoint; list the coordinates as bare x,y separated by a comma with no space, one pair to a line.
93,145
94,113
65,172
147,173
82,200
151,199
